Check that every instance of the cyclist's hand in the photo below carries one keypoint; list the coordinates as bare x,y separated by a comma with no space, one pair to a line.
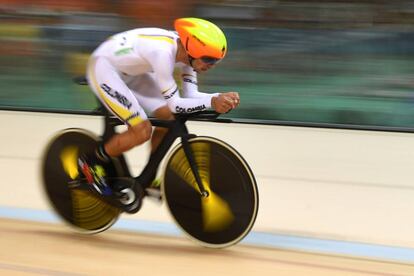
225,102
234,96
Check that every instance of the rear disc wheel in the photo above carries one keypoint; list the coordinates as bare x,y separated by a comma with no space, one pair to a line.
81,209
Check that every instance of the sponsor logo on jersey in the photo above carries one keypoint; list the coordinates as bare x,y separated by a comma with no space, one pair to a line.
179,109
172,94
190,81
123,51
134,115
116,95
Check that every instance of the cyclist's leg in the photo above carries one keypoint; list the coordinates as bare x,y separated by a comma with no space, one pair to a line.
119,99
148,93
163,113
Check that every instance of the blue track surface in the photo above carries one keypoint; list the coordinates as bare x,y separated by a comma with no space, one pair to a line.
387,253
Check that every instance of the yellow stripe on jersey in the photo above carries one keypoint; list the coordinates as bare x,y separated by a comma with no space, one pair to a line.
166,90
134,121
159,37
119,110
187,75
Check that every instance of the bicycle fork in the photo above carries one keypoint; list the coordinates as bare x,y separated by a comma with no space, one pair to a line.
180,131
193,165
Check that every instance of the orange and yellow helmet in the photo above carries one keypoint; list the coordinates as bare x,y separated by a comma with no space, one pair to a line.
201,38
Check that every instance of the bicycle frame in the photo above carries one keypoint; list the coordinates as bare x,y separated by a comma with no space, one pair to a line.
176,129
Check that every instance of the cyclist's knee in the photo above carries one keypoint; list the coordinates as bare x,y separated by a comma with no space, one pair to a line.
141,132
164,113
147,130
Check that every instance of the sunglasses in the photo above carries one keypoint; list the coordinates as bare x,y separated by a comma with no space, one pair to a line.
210,60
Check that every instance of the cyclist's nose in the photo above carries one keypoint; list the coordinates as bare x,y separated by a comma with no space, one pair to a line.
208,66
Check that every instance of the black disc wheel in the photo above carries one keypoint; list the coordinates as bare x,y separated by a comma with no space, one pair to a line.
81,209
228,213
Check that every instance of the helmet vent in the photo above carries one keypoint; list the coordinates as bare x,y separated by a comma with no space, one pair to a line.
199,40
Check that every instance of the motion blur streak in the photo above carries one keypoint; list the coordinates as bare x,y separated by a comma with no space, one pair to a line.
69,157
217,214
332,61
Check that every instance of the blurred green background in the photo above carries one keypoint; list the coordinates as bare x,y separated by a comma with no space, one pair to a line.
341,62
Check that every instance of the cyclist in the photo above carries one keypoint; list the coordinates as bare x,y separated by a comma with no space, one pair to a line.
133,71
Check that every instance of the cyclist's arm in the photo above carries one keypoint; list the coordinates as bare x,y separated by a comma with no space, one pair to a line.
163,66
222,102
190,84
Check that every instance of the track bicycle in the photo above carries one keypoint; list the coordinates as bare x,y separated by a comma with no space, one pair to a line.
208,187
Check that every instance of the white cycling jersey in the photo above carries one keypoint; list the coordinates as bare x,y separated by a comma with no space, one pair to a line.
136,68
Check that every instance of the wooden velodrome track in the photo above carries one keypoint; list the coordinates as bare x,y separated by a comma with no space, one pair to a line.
30,248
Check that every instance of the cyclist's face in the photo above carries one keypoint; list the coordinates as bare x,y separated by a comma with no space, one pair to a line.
200,66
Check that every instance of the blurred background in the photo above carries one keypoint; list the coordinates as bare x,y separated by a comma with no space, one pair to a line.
325,61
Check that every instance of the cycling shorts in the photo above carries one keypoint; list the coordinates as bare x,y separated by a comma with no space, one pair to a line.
124,96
